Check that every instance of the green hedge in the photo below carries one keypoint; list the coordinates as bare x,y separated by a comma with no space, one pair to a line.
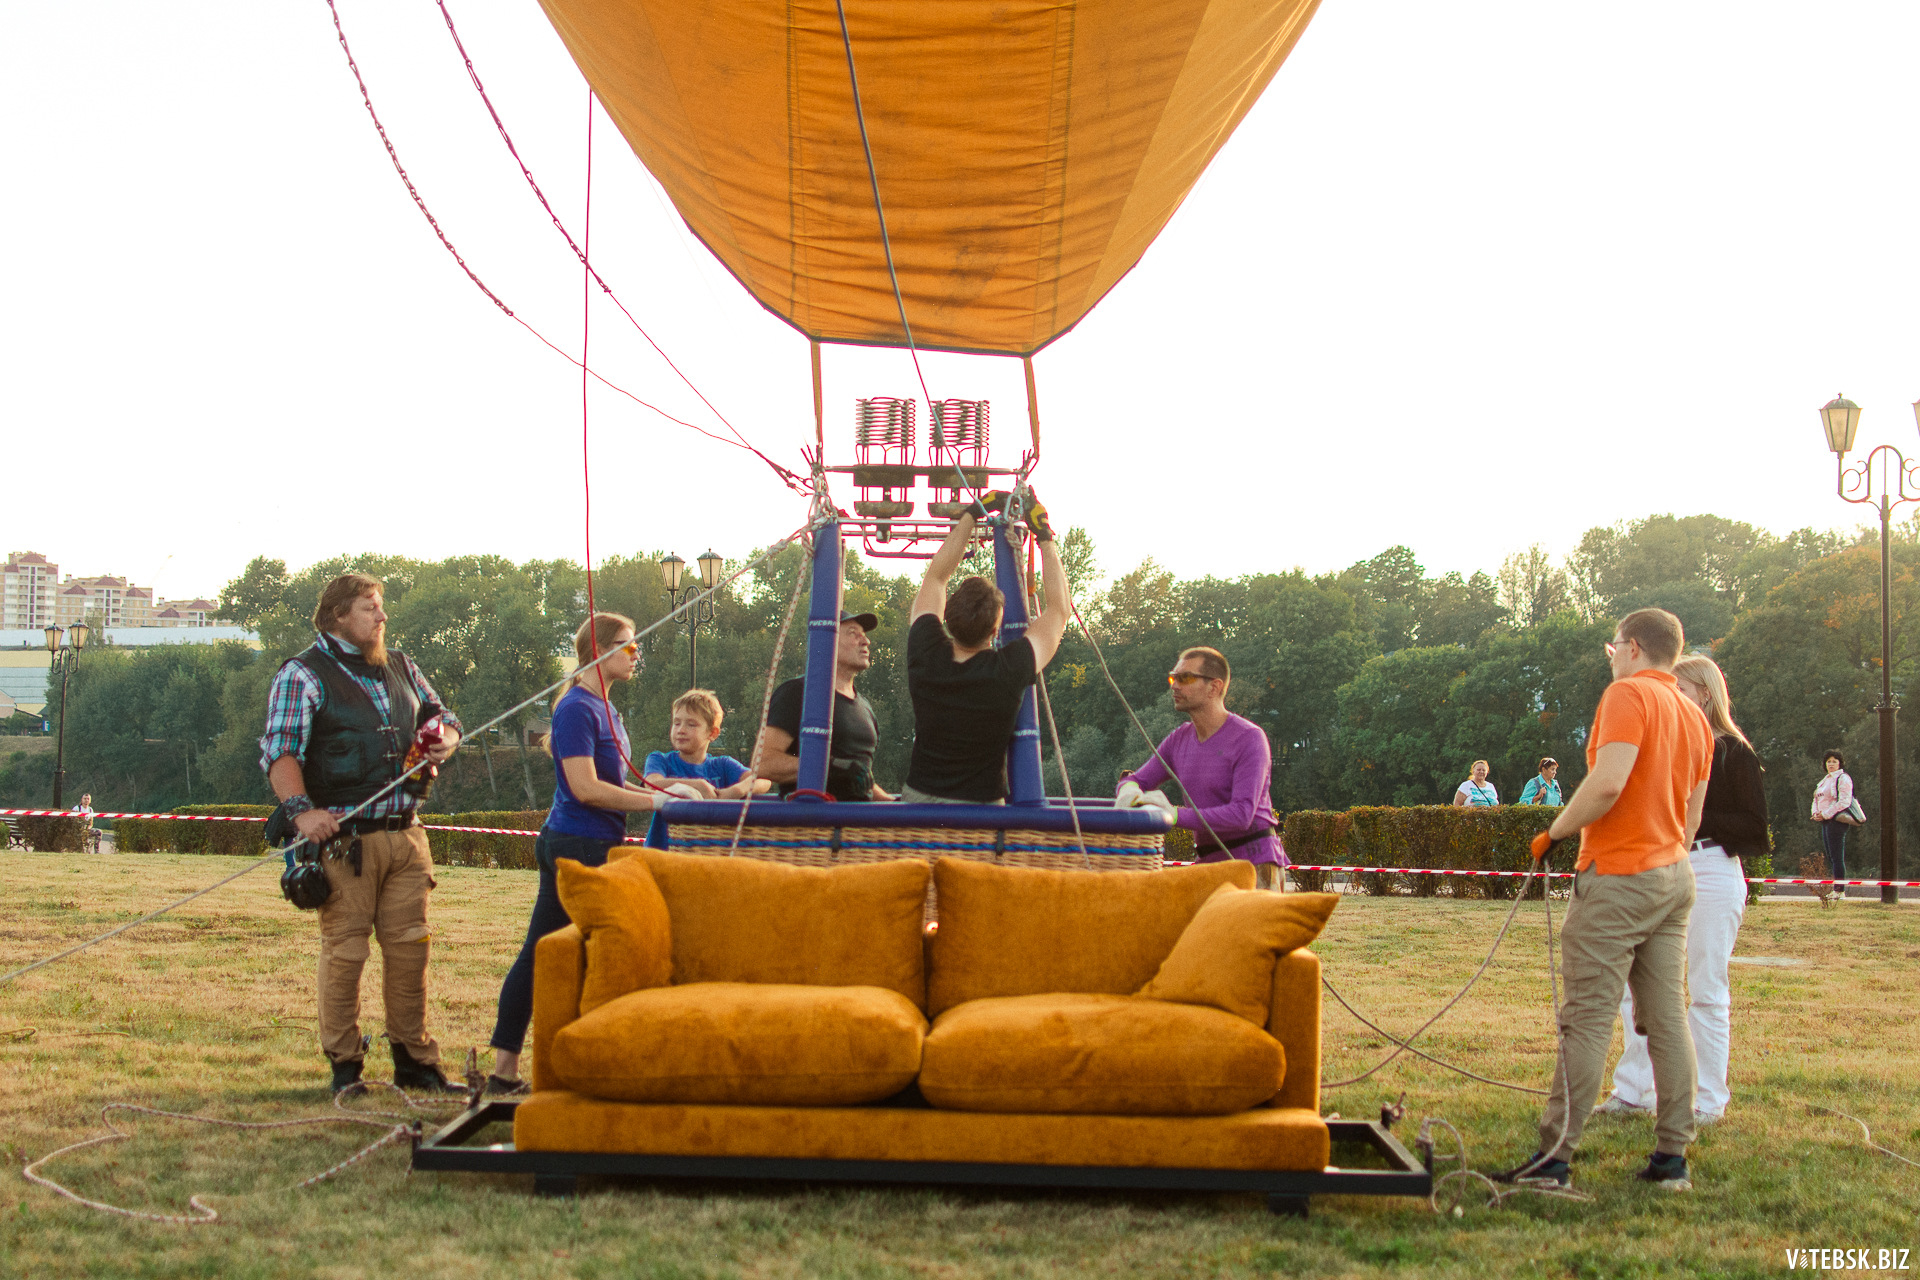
54,835
246,839
470,849
1436,836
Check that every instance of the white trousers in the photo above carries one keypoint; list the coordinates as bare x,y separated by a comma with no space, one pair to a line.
1718,909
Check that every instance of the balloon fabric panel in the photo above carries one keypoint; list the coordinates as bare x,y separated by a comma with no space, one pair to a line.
1027,153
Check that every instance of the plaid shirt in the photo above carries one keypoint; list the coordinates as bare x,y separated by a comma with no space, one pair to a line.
296,695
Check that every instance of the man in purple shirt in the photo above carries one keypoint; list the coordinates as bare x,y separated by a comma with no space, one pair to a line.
1225,766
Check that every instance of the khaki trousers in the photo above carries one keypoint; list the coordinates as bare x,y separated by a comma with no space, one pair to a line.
1621,932
387,900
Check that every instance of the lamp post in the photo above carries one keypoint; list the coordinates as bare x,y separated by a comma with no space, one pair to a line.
66,660
673,572
1897,481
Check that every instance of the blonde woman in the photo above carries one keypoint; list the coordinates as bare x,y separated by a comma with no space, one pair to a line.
1476,792
1733,823
591,801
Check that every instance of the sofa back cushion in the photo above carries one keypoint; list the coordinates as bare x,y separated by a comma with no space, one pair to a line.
745,920
623,917
1012,931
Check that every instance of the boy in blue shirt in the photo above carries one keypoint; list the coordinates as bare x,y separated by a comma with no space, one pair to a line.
697,716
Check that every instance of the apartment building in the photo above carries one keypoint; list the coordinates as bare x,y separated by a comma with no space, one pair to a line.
27,585
104,601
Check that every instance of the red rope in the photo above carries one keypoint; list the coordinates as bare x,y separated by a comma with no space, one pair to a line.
578,252
790,478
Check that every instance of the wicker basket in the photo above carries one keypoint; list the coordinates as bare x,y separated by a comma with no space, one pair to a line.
1014,847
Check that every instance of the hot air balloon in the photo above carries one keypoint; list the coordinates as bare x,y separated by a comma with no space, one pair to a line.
1026,153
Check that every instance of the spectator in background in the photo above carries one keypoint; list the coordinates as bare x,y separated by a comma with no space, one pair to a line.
1224,763
697,716
1833,801
1733,822
1541,788
1476,792
91,837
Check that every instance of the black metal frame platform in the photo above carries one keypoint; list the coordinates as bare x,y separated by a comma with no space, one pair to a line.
1287,1190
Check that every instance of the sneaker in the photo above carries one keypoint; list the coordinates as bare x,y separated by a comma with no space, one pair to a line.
1537,1170
1668,1172
501,1087
419,1077
346,1074
1615,1105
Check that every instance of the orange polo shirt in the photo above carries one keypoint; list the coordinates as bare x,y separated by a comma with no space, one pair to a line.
1647,826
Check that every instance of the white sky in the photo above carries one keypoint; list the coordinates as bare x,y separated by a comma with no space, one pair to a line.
1468,277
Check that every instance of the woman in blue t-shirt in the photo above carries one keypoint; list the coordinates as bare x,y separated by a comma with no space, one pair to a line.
591,800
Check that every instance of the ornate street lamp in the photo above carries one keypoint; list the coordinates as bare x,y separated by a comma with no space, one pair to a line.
1883,479
64,662
673,572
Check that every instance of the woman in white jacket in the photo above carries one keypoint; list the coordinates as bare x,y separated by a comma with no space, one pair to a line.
1833,797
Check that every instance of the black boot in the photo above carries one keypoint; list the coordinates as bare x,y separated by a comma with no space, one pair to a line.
346,1073
418,1077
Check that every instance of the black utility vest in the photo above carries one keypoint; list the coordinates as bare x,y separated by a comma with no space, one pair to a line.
352,751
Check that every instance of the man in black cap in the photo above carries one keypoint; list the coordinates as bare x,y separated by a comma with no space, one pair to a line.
855,732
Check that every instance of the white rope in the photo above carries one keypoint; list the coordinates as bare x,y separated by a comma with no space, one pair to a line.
203,1212
673,615
800,580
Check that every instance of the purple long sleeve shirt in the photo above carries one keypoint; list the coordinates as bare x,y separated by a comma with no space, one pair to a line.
1229,780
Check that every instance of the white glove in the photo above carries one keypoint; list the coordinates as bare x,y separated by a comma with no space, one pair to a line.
1128,797
1157,799
683,791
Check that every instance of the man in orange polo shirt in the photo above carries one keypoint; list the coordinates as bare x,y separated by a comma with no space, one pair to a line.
1647,762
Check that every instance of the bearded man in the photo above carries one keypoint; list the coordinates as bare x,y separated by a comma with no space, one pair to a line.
341,717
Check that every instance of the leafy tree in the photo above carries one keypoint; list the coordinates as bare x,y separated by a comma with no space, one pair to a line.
1393,725
1804,667
1705,614
1531,588
1458,611
259,588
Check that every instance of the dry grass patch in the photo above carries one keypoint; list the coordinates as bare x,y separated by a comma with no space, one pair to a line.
211,1012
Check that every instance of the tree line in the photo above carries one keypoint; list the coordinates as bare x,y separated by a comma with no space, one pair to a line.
1376,684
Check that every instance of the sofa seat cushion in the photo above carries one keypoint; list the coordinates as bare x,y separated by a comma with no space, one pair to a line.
1098,1055
739,1042
1264,1138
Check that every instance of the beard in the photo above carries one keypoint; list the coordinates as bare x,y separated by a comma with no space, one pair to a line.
375,650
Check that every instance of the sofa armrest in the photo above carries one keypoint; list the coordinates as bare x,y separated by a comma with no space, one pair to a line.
559,966
1295,1022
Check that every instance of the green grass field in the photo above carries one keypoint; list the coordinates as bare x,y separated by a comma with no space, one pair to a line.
209,1011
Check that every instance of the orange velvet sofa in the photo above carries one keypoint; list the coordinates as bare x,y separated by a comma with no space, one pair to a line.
716,1016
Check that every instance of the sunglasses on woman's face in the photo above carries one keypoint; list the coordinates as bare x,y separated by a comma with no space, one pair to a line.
631,648
1185,678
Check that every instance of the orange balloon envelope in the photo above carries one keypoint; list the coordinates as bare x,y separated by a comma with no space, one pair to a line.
1027,153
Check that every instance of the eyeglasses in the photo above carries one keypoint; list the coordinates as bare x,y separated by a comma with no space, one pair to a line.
1615,646
1184,678
631,648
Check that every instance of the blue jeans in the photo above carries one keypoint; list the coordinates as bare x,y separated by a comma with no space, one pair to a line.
1833,837
516,993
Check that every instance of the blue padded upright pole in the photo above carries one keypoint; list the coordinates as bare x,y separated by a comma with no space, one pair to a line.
1024,783
823,644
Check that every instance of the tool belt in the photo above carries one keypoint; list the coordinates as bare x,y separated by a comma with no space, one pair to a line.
1207,850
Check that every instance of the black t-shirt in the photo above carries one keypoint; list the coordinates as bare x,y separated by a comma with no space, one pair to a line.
855,734
963,713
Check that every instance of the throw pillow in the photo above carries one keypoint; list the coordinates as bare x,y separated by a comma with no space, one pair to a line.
623,918
1225,956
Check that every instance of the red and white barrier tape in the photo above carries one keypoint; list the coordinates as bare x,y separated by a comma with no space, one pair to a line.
215,817
1297,866
1568,875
